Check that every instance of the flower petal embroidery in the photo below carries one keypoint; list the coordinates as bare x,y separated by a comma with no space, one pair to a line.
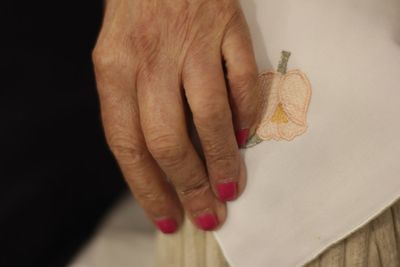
290,130
269,131
287,97
295,94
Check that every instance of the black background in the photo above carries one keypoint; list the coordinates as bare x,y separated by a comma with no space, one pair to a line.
57,176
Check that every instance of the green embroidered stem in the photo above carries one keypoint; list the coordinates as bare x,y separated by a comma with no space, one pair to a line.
253,141
282,67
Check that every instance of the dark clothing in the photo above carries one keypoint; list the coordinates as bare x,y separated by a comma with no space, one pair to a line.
57,177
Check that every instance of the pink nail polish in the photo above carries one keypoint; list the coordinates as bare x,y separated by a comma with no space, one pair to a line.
207,222
167,226
227,191
241,137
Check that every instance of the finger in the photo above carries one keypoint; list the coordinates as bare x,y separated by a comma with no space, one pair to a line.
208,99
164,126
144,177
245,97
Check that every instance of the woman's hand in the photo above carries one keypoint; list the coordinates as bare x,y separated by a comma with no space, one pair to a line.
153,60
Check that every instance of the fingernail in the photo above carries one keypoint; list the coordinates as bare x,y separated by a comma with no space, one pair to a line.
227,191
167,226
207,222
241,137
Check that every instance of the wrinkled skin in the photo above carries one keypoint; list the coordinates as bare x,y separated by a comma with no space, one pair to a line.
154,60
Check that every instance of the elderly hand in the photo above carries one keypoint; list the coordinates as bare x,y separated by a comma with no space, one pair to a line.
154,61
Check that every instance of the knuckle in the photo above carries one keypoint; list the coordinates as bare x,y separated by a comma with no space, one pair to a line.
243,82
246,97
148,194
246,104
106,59
96,55
126,151
224,162
212,113
193,188
217,151
102,58
167,149
221,161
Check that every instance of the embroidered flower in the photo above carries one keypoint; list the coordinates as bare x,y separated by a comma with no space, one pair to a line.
288,96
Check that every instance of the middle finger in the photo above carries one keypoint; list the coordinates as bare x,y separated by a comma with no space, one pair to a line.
164,126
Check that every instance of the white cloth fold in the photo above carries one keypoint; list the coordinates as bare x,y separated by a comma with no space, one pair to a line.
303,195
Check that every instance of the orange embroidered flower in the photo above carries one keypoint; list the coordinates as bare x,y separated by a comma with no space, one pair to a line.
288,96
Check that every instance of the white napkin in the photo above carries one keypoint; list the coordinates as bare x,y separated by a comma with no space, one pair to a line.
305,194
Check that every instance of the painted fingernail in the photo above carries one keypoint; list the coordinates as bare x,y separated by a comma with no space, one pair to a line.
207,222
227,191
241,136
167,226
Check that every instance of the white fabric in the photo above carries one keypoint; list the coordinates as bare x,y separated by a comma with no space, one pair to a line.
306,194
